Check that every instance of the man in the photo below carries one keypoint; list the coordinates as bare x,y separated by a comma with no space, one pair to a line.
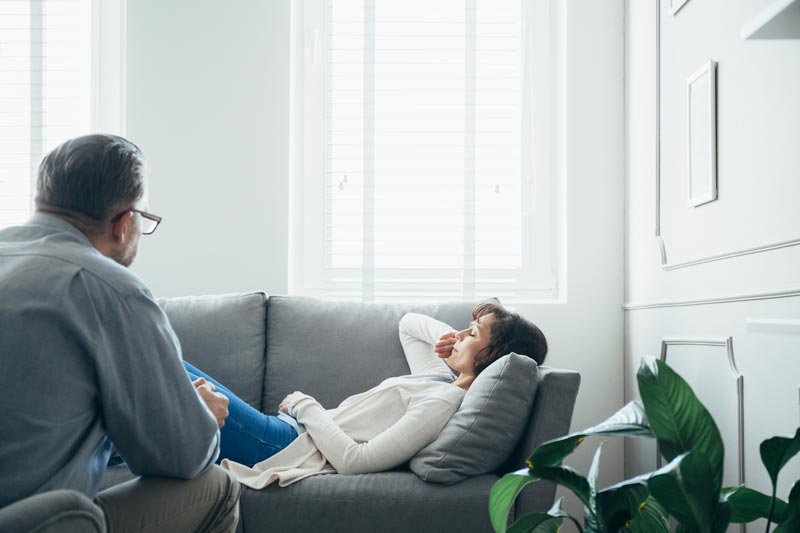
88,358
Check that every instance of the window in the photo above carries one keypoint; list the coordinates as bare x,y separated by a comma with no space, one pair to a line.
422,150
50,87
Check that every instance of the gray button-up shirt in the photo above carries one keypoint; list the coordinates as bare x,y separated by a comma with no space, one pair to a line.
87,359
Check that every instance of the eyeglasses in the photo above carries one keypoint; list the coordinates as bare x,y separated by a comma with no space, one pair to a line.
148,221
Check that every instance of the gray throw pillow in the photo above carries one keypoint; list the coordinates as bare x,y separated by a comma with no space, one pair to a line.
487,426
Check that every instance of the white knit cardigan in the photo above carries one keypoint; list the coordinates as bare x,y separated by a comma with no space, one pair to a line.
372,431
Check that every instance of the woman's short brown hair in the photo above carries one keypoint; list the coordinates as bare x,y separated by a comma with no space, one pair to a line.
509,333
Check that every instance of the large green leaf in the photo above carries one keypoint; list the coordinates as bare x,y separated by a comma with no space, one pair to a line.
591,524
630,421
652,518
568,477
537,523
777,451
503,495
791,518
680,422
549,522
748,505
722,516
620,503
553,452
594,470
591,478
590,518
685,489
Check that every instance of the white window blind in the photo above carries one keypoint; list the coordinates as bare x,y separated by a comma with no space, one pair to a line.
415,152
45,90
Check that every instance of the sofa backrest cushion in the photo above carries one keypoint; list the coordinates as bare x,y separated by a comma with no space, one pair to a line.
332,350
223,336
482,434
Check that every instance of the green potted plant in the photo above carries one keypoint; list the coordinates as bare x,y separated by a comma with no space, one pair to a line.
689,488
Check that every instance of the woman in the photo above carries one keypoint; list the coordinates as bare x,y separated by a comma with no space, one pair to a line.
385,426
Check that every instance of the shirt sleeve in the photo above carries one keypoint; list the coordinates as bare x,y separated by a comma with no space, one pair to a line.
150,408
417,428
418,334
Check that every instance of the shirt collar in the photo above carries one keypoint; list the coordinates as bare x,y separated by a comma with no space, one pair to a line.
51,221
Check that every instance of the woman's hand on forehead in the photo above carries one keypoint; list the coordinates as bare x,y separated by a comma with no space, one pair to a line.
444,347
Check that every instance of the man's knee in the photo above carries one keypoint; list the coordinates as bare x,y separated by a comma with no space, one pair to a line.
228,492
220,486
209,502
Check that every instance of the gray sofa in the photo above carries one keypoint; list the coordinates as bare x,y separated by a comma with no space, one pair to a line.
263,348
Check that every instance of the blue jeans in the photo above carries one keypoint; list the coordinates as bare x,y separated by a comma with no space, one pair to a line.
248,436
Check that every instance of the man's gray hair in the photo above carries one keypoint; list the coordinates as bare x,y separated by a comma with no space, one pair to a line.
94,175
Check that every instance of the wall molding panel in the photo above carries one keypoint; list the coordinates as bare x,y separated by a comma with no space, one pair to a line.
738,379
747,297
773,325
714,290
662,245
727,344
666,265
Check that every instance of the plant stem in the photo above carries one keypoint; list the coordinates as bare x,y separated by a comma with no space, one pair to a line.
771,505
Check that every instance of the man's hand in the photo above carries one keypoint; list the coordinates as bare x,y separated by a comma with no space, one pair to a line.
217,403
444,347
288,402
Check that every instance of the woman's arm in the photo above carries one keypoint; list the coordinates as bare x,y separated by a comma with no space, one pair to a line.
417,428
418,334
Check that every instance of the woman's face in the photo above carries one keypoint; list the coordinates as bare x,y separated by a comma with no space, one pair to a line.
469,342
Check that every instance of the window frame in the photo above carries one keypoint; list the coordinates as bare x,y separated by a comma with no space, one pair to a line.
540,280
106,83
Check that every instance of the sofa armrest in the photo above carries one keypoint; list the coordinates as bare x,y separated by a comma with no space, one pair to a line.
53,511
550,418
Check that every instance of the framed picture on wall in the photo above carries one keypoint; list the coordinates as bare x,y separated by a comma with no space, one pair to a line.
675,5
701,134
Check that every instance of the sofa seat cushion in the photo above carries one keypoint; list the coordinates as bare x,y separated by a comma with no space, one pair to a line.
486,428
387,501
223,335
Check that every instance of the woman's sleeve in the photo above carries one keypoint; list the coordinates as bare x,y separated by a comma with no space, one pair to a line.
417,428
418,334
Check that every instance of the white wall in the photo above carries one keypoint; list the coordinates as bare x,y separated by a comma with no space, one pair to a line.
759,166
207,101
585,333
